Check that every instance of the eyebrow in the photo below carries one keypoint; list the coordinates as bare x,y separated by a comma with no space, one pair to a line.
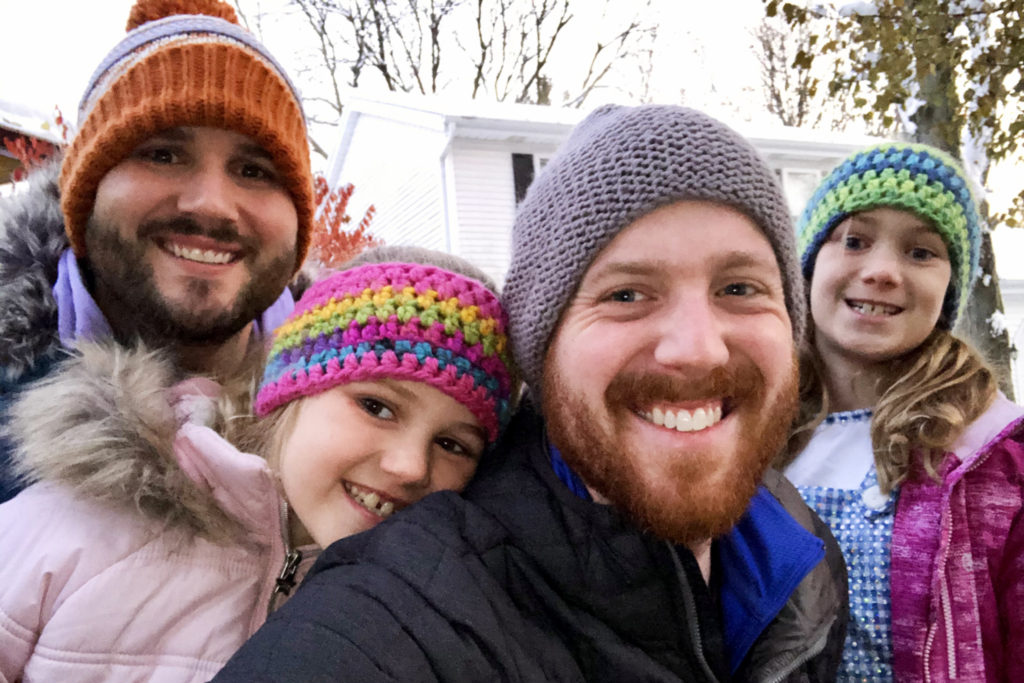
178,134
183,134
397,388
748,259
479,431
630,268
409,395
254,150
920,225
736,258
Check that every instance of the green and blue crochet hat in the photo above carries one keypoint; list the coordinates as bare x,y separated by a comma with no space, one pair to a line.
916,178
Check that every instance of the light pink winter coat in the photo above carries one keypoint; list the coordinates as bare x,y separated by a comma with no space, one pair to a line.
958,559
146,551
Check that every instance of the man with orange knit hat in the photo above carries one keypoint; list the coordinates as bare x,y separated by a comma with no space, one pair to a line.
183,207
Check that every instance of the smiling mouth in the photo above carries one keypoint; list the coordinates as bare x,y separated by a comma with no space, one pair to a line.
685,420
196,255
871,308
372,501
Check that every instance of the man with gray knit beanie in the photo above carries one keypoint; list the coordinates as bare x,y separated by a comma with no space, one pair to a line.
627,527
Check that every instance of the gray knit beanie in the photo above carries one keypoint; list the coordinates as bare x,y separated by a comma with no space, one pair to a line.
619,164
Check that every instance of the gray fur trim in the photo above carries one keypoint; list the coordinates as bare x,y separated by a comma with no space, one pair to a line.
32,239
101,424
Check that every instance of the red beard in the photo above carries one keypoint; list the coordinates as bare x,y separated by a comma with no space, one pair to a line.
694,495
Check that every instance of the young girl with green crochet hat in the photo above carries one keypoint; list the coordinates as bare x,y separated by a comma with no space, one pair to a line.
163,523
904,445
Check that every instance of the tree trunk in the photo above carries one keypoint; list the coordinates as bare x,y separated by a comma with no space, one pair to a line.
976,327
935,127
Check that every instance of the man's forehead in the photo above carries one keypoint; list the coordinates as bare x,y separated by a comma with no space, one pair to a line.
661,242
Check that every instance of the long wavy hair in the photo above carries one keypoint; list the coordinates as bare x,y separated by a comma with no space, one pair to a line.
927,397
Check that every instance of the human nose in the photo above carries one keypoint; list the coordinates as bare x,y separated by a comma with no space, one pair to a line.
208,192
882,266
407,461
690,335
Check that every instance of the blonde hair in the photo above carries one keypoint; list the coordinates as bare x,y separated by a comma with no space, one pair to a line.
262,436
235,421
927,398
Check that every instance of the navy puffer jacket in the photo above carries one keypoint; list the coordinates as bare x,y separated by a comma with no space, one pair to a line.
520,580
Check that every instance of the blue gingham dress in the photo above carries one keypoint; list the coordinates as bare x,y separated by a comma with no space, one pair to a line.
861,519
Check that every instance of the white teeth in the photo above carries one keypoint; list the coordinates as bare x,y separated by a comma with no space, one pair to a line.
201,255
370,500
873,309
684,420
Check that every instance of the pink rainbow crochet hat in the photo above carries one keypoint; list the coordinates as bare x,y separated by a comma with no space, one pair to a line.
403,321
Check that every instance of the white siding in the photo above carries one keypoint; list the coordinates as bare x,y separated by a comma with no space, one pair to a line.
485,201
397,167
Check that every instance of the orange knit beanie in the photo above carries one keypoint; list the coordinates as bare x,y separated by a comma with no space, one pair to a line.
184,63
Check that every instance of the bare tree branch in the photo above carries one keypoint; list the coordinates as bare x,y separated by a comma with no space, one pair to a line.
408,45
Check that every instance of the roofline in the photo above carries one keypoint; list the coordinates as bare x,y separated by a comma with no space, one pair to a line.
537,124
26,120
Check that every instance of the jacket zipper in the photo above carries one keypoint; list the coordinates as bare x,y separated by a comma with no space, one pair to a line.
944,599
691,607
691,611
285,581
802,659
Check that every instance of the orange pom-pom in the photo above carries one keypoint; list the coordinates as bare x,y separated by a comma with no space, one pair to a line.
150,10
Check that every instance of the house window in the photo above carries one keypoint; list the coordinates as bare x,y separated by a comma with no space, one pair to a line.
525,167
522,174
799,185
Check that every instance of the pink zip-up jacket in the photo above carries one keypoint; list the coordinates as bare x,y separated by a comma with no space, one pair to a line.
148,548
958,559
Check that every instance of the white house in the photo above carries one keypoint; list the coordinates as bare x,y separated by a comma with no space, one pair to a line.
21,123
448,175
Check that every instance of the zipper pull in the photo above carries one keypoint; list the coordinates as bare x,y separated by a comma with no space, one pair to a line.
285,581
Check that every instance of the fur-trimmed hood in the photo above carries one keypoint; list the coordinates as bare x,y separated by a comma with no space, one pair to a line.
115,425
32,240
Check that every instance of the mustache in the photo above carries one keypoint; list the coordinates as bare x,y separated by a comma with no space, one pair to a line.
736,381
186,225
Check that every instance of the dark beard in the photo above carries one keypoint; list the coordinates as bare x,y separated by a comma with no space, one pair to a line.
685,506
118,266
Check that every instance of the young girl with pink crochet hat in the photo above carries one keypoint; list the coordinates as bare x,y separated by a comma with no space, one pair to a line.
149,546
